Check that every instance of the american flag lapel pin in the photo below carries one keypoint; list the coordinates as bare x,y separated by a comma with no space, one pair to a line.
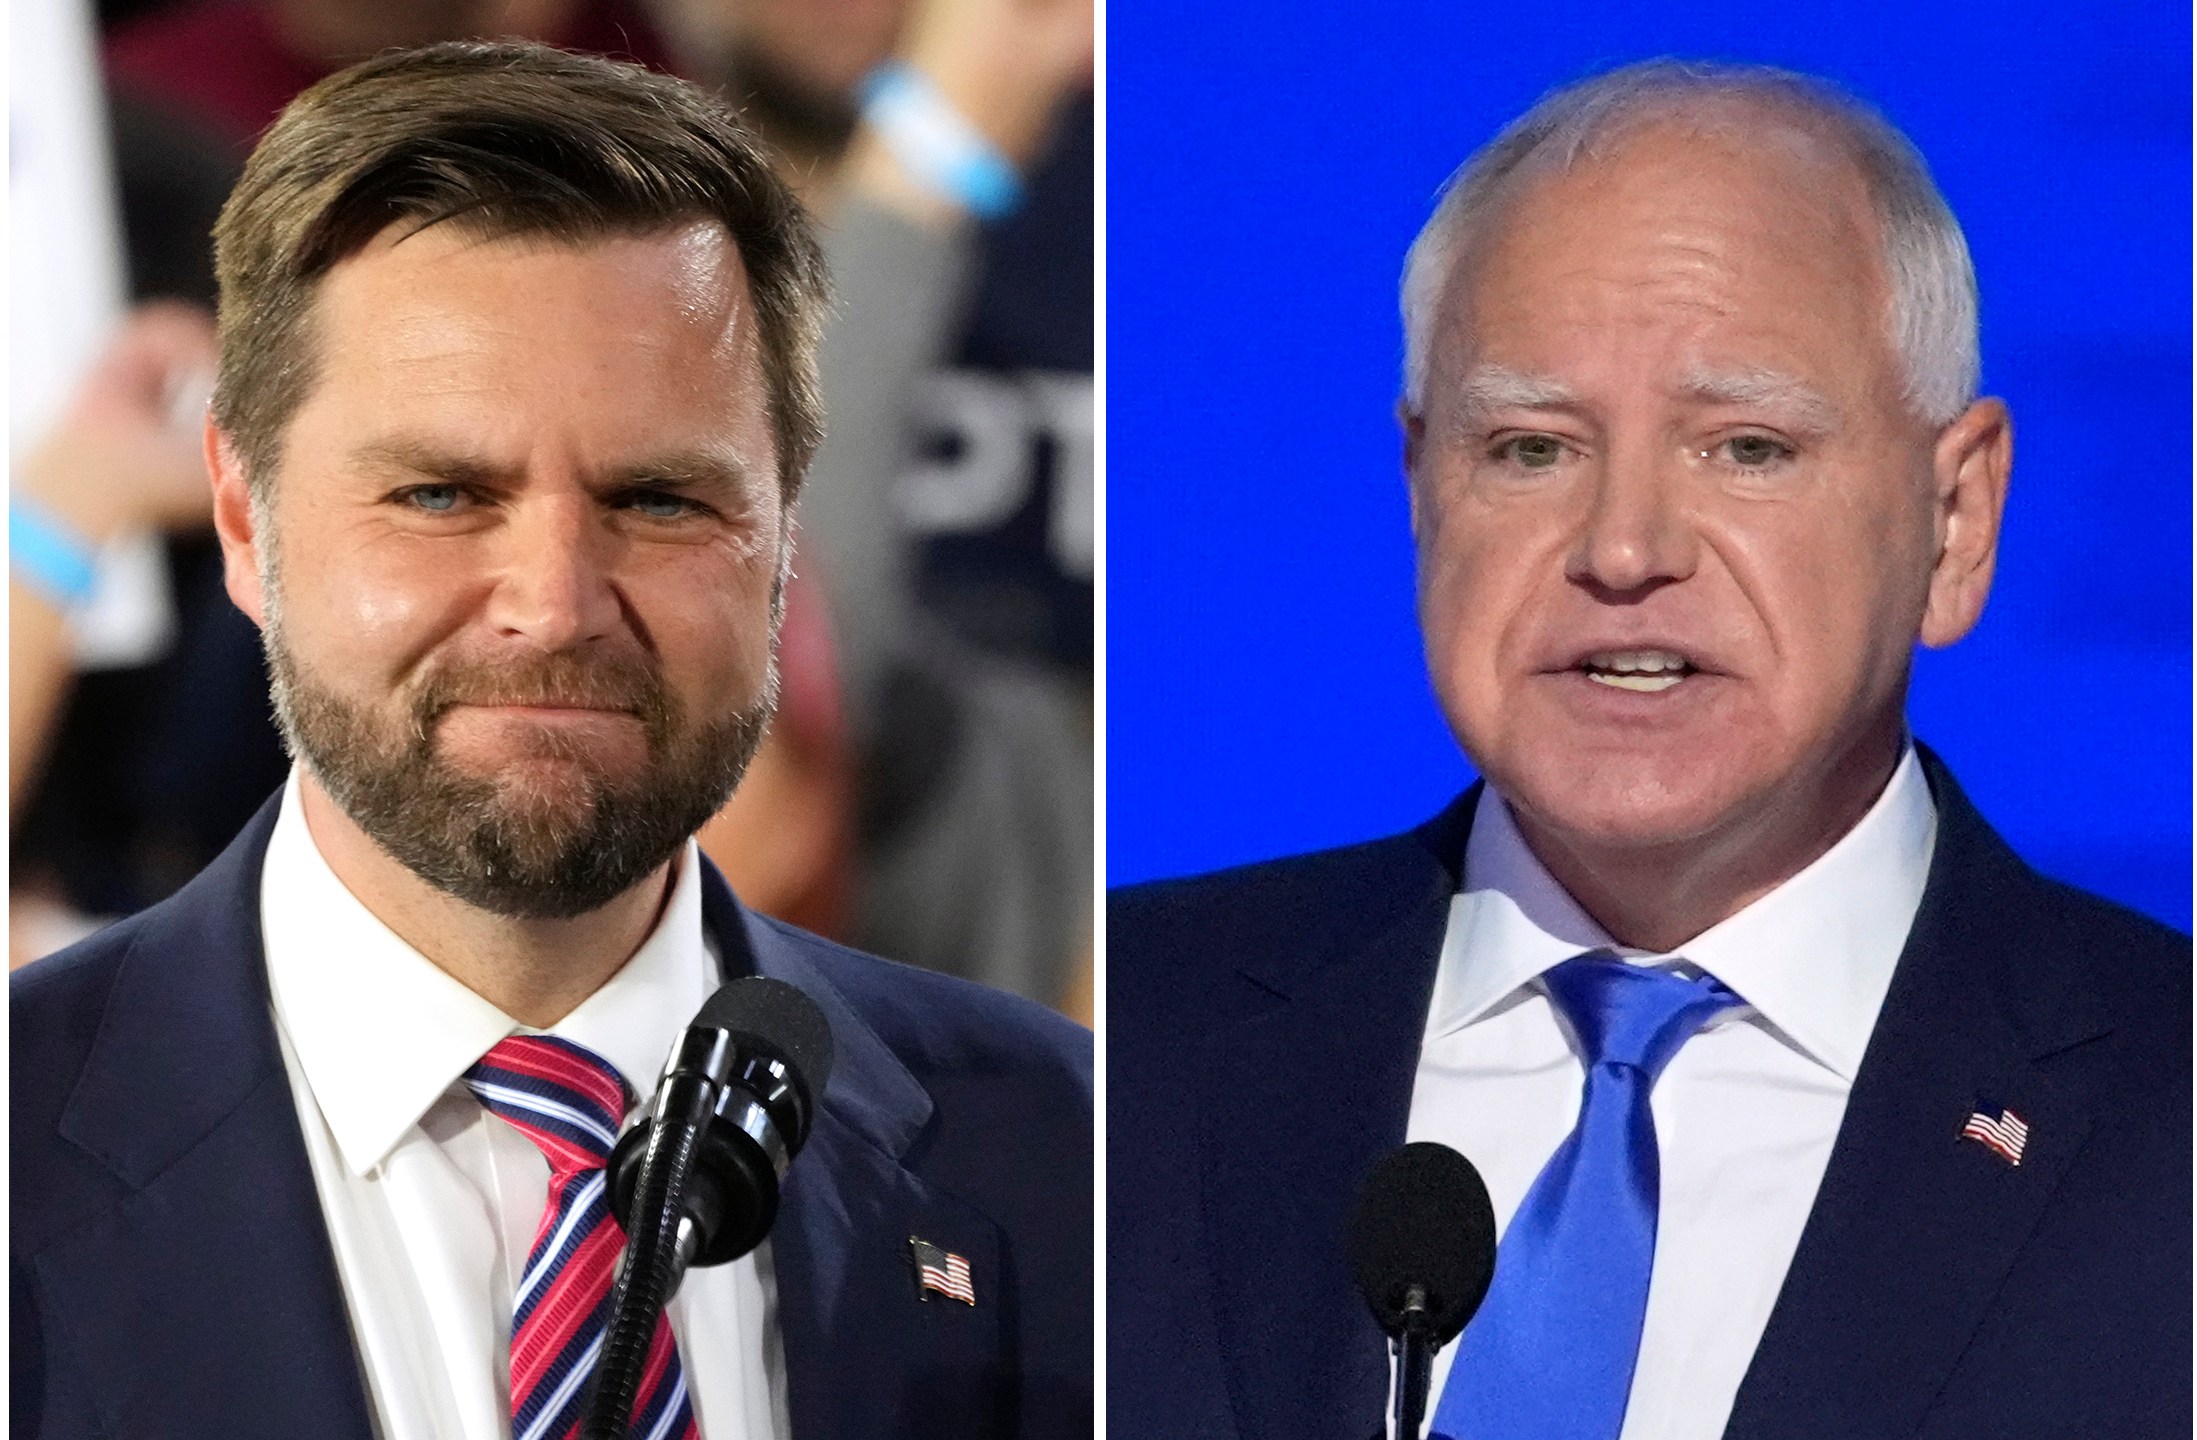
1998,1130
940,1270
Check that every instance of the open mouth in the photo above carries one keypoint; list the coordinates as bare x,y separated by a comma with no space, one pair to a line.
1646,671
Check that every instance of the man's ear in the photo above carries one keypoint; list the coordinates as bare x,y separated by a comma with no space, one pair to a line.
234,523
1971,466
1414,426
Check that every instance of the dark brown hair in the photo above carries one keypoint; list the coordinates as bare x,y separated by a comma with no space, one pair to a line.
507,140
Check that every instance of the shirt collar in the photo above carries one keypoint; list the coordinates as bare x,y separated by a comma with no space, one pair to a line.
1814,957
381,1032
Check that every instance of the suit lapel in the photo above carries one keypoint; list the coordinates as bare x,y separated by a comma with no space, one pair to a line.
206,1299
1310,1080
1914,1228
866,1353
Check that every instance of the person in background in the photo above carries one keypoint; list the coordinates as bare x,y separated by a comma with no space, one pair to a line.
149,684
119,459
231,65
950,524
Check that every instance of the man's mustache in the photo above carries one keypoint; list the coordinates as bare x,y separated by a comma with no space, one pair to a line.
564,680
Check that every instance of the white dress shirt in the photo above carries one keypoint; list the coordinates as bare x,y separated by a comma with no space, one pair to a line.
431,1201
1746,1113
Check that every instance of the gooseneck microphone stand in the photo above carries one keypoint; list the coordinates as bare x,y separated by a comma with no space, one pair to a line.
653,1262
696,1182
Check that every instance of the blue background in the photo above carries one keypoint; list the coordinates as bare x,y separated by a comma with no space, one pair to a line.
1266,170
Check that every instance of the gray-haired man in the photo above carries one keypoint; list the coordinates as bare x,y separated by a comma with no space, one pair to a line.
1805,1107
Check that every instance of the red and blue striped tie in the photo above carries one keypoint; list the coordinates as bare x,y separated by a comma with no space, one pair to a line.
569,1102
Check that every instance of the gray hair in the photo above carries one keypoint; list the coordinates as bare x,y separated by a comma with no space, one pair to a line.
1932,310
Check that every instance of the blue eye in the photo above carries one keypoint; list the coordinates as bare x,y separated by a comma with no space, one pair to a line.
438,498
657,505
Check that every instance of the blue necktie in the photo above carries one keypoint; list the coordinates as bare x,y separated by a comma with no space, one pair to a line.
1550,1354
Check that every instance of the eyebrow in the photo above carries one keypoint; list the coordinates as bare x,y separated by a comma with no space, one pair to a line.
422,459
685,470
681,470
1762,389
1488,388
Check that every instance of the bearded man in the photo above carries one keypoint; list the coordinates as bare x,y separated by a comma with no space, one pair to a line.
517,386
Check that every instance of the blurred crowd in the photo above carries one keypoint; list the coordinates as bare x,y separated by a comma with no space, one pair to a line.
926,791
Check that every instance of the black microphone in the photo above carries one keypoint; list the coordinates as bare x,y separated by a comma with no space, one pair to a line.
694,1178
1422,1240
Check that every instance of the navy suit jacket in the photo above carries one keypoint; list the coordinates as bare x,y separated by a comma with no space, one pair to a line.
171,1273
1264,1027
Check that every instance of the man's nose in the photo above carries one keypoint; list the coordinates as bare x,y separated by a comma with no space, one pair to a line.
554,582
1635,533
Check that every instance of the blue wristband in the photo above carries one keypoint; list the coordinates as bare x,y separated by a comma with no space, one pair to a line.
936,144
47,554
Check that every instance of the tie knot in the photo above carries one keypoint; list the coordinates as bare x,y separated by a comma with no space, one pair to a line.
1631,1014
564,1097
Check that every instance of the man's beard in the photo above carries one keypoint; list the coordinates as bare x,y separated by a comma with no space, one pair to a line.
518,846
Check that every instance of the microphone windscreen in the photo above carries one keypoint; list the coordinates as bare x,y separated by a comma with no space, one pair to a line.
778,1015
1423,1219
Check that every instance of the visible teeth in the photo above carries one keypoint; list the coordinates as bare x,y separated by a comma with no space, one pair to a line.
1635,682
1644,670
1651,662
